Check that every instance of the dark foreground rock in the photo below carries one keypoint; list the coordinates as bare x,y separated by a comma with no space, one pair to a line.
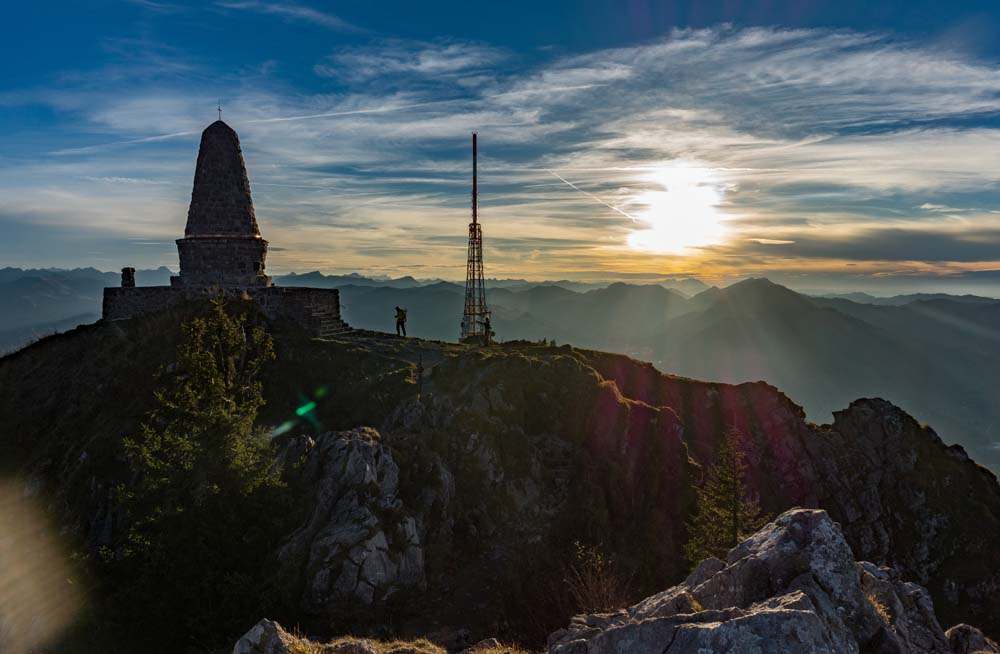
792,588
964,639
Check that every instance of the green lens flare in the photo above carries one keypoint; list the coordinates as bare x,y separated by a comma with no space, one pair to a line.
283,428
305,408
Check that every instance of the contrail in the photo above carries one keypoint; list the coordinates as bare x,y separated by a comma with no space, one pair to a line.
148,139
590,195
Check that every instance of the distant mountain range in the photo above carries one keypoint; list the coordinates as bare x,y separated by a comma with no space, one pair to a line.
900,300
686,285
37,302
41,301
936,355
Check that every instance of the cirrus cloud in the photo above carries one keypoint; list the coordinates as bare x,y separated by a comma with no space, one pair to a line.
829,147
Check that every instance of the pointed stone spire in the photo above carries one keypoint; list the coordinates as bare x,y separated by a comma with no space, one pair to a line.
220,201
222,245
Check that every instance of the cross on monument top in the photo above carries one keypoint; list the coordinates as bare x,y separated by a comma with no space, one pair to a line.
220,109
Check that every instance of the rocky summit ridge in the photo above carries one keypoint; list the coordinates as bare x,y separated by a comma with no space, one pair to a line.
792,588
438,487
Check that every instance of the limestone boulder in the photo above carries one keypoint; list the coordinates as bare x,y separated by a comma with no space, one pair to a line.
358,544
792,588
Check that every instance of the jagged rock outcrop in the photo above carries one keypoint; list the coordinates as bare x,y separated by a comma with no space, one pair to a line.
792,588
358,543
907,501
904,499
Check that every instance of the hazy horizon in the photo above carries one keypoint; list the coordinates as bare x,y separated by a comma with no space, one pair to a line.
877,287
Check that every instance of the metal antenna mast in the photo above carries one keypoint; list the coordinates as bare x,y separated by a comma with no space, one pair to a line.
476,314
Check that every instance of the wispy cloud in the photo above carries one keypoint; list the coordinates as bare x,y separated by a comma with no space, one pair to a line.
291,11
388,107
395,57
820,142
943,208
156,5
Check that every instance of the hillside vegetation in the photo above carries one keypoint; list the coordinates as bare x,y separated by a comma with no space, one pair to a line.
459,498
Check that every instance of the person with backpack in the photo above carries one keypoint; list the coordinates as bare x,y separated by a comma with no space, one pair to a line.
400,322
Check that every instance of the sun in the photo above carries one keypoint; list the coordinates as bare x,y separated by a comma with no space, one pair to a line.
684,215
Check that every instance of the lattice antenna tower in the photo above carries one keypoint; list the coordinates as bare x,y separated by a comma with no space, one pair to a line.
476,312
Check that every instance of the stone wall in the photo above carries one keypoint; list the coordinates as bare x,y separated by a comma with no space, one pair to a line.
317,310
122,303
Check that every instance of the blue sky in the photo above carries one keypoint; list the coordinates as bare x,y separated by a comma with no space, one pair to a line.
847,144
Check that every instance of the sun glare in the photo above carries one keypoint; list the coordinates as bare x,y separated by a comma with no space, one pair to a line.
683,215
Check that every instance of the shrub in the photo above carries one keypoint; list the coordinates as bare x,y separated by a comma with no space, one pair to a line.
593,581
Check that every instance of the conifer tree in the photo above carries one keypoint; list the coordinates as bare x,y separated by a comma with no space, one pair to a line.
199,439
206,501
726,511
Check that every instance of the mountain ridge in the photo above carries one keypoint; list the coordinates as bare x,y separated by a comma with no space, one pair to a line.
918,352
504,458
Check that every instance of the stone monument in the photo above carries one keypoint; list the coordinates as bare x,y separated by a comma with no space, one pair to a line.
222,253
222,245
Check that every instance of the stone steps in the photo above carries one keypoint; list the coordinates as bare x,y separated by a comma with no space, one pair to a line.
329,324
333,332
